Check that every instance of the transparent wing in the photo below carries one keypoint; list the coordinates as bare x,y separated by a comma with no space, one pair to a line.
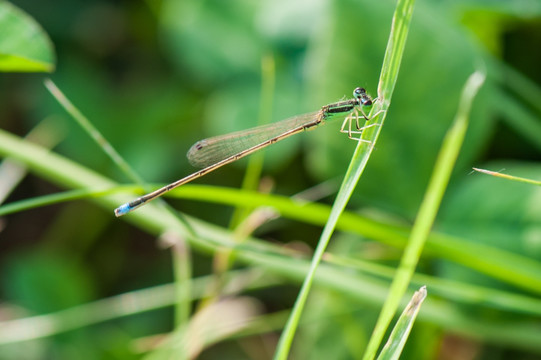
212,150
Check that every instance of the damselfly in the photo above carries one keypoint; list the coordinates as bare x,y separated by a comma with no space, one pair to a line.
215,152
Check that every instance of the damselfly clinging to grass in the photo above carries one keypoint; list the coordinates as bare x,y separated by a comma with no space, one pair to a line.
215,152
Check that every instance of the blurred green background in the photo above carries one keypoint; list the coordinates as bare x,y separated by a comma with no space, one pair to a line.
156,76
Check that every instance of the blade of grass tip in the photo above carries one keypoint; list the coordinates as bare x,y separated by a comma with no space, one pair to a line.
508,177
389,74
92,132
394,346
427,212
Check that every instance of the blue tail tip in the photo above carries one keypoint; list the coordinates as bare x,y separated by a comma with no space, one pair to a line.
122,210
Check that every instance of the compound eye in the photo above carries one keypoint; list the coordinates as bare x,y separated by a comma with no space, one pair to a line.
359,92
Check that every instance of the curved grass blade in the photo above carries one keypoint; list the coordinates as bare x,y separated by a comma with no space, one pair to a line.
91,130
389,74
427,213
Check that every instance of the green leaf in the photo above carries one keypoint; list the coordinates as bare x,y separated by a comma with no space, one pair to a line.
24,46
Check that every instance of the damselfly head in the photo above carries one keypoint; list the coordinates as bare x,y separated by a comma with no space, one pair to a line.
360,94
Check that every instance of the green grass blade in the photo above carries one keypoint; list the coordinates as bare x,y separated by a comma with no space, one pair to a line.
152,298
455,291
182,262
394,346
499,264
508,177
91,130
388,78
51,199
427,213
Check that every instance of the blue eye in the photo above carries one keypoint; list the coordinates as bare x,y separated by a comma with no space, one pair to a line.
359,92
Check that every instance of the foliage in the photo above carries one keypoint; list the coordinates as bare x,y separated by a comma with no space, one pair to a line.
153,77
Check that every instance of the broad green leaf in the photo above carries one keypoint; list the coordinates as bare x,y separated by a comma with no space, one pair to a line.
24,46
